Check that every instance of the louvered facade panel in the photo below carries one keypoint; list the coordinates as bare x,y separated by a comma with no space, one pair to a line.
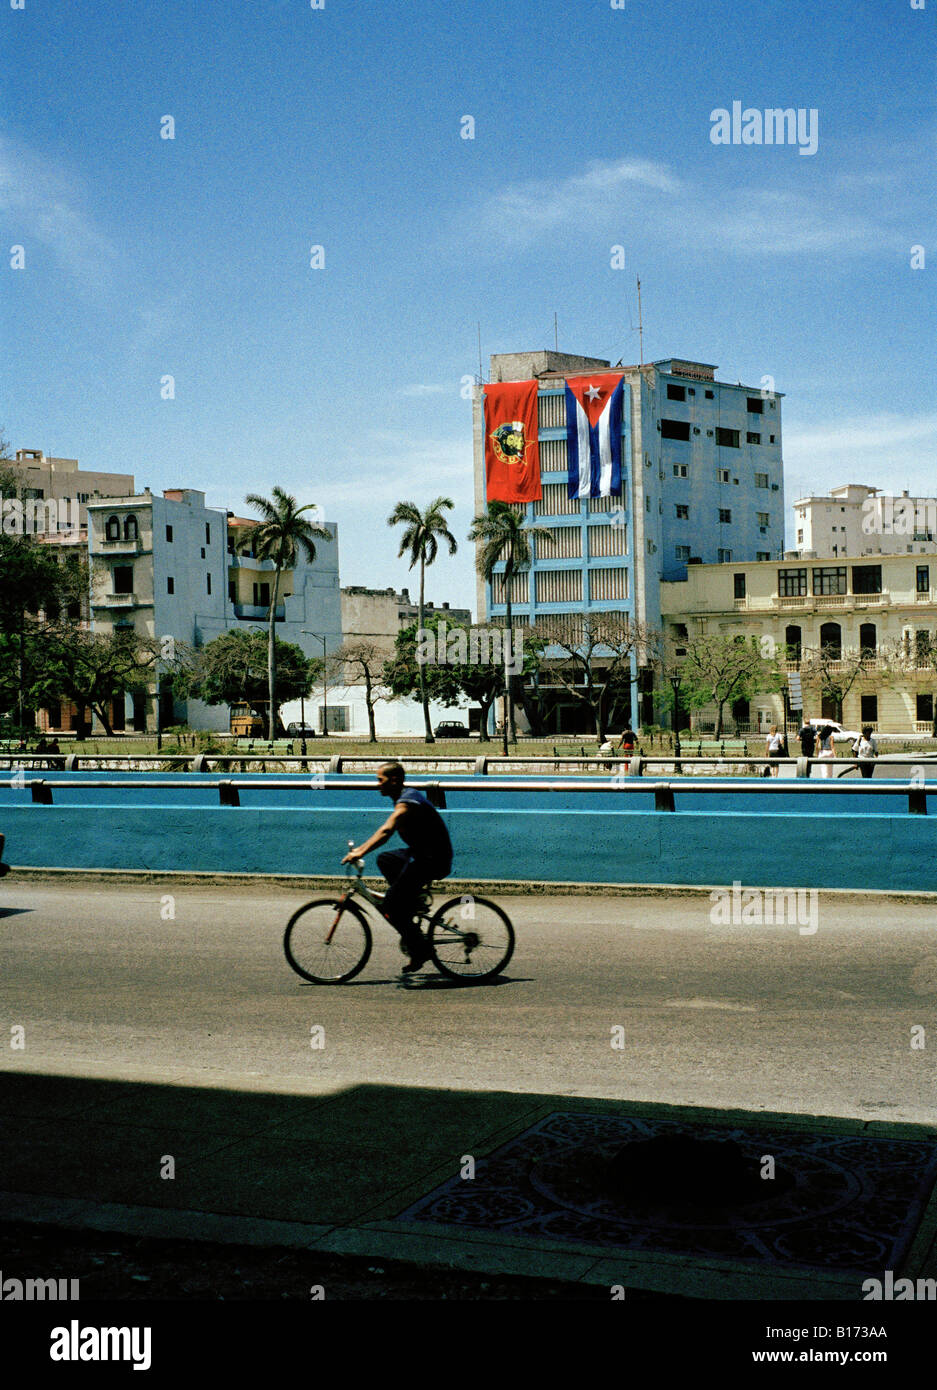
606,584
608,540
553,456
520,588
555,502
559,586
551,411
565,545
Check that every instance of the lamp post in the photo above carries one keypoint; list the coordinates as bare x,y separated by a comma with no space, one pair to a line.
675,682
325,683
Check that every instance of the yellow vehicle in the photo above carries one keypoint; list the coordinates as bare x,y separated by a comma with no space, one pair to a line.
246,722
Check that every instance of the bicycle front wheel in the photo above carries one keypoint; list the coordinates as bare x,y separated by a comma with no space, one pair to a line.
470,939
328,941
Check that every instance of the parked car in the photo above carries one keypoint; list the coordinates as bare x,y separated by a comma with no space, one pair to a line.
840,735
300,731
451,728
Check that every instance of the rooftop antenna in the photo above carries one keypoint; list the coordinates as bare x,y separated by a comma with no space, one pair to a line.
481,375
556,334
640,329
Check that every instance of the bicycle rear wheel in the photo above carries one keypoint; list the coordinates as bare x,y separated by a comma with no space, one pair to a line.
470,939
328,941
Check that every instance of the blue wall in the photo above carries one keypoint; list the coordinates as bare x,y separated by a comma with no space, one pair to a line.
791,841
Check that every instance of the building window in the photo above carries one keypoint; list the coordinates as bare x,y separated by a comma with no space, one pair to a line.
762,554
831,640
677,429
727,439
831,579
723,475
868,709
923,579
800,537
683,513
922,647
679,470
739,583
676,393
123,579
208,533
112,528
558,586
232,591
725,515
925,709
261,595
169,535
867,642
724,557
170,585
867,579
608,584
751,438
710,395
208,583
682,552
761,480
792,640
771,436
755,405
764,518
131,529
792,583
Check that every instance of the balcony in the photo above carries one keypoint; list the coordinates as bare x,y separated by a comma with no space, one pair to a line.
258,613
121,601
248,562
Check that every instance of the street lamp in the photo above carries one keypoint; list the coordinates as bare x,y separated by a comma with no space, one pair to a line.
325,686
675,682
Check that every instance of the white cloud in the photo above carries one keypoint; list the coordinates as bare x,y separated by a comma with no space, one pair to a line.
890,452
43,204
426,389
525,210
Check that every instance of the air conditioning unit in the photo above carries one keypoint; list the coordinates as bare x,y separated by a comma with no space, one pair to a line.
774,487
696,429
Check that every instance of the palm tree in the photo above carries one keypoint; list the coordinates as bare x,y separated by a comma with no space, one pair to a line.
504,536
279,536
421,537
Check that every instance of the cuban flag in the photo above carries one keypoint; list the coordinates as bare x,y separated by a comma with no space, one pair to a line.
593,435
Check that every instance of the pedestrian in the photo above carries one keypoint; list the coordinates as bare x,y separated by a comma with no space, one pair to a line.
626,744
774,748
827,752
808,739
864,750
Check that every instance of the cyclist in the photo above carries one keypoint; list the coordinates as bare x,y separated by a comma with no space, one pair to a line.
408,871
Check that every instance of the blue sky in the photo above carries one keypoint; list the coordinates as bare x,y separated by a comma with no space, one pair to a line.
340,127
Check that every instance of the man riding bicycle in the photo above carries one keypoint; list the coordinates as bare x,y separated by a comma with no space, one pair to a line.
408,871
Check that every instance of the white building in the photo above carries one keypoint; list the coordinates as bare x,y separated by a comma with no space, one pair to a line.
860,520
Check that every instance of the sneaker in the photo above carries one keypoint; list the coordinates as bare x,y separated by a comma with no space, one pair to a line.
419,954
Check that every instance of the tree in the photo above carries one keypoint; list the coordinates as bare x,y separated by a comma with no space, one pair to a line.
835,670
717,670
595,661
31,579
504,537
94,668
421,536
279,536
453,675
368,658
234,667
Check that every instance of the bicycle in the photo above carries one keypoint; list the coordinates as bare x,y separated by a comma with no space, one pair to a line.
328,941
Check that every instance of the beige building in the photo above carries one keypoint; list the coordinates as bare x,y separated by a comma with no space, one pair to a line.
884,606
47,479
381,613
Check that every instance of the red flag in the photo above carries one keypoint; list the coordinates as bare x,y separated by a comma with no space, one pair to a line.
512,453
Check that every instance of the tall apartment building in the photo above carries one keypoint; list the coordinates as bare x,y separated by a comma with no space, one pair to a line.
702,483
860,520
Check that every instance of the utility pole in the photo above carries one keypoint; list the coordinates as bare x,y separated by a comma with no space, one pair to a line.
640,330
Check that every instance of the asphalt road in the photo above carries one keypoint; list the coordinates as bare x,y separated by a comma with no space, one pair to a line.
123,981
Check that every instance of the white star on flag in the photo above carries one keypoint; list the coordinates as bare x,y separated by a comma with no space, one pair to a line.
593,392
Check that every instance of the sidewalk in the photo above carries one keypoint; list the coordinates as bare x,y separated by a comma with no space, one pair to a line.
499,1184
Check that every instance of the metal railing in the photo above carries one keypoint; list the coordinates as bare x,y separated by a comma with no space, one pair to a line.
664,792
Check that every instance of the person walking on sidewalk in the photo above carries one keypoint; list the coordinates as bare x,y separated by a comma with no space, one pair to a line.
428,855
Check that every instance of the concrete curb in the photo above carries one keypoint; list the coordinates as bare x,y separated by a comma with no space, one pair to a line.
448,887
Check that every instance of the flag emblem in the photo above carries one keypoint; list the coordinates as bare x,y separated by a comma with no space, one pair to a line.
593,435
508,442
